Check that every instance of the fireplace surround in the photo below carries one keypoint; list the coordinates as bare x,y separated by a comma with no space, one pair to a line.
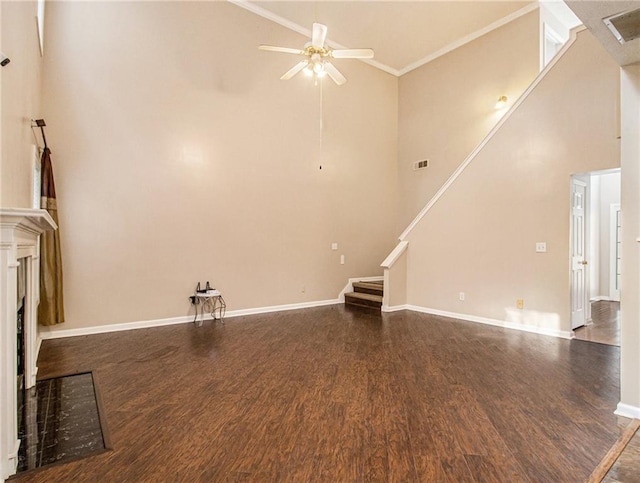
19,240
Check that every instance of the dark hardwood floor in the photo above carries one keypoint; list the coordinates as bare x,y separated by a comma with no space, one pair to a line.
605,326
335,394
626,469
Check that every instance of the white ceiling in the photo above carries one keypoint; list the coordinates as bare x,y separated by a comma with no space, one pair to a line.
592,13
403,34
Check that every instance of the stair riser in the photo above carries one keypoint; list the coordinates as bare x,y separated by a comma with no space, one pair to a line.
372,291
362,303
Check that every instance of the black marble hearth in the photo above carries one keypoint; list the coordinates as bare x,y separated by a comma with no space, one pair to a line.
60,421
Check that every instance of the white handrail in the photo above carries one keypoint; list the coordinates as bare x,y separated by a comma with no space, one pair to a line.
574,34
395,254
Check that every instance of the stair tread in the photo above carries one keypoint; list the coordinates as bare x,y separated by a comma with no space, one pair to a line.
365,296
371,285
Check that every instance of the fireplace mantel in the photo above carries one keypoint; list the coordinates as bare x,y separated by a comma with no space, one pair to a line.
20,231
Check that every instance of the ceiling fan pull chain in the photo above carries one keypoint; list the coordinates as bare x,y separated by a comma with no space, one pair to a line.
321,120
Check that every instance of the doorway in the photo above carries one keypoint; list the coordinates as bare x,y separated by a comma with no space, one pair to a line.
579,231
601,231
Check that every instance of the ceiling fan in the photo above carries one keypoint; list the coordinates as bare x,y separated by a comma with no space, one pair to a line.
317,56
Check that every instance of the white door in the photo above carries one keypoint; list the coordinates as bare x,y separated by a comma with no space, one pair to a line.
578,254
615,243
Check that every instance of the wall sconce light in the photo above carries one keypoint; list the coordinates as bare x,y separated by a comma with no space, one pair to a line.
502,102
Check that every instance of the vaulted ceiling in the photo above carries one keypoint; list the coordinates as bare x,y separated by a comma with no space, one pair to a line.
403,34
407,34
592,13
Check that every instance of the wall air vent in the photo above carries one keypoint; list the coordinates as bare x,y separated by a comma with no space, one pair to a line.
420,164
624,26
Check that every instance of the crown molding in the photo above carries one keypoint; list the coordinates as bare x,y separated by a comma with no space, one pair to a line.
264,13
470,38
305,31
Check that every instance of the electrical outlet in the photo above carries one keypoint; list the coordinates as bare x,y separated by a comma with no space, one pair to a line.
541,247
520,304
462,296
334,246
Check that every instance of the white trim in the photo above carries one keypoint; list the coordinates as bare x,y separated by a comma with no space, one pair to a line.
470,38
395,254
47,334
499,323
548,32
496,128
385,293
627,411
146,324
281,308
267,14
14,454
601,298
20,229
40,25
394,308
614,293
262,12
349,286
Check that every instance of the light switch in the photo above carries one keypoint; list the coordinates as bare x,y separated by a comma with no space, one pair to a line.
541,247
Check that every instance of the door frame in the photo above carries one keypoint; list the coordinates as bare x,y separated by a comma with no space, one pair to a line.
614,292
583,180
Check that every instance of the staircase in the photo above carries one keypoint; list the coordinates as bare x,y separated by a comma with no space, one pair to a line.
365,294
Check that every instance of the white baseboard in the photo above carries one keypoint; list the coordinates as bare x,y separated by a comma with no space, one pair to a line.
394,308
46,333
602,298
281,308
103,329
7,468
349,286
627,411
499,323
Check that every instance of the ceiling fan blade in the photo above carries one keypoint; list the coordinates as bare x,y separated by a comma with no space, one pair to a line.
352,54
334,73
319,35
286,50
294,70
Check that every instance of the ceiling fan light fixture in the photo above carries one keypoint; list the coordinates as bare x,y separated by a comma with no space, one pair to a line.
308,70
317,57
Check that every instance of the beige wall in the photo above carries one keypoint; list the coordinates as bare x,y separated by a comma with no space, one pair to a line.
480,237
630,203
20,88
181,157
396,280
448,106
